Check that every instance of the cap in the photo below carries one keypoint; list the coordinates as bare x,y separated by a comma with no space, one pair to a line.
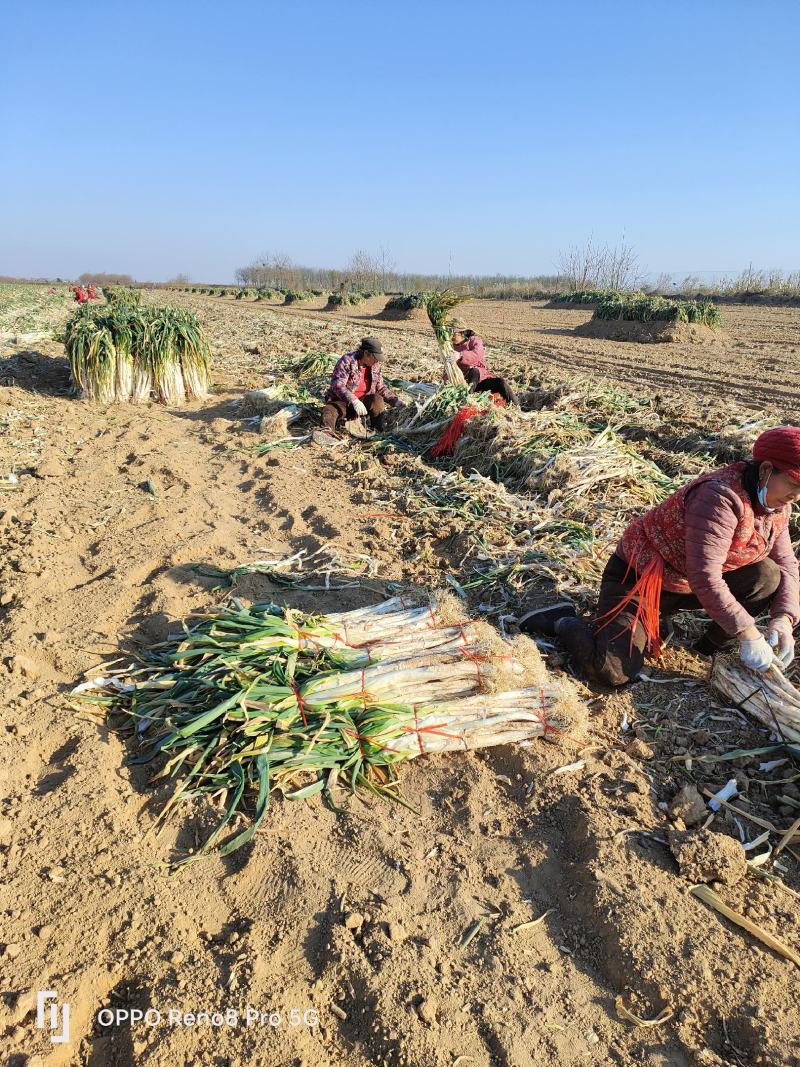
373,346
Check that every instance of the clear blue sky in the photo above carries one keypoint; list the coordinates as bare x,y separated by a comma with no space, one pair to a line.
154,138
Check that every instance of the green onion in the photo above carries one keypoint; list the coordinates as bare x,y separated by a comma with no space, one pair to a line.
262,700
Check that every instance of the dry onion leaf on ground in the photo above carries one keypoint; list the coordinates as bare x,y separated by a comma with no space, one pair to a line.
629,1017
708,896
532,923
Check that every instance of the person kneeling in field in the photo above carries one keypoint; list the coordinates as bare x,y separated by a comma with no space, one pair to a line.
357,389
470,358
721,543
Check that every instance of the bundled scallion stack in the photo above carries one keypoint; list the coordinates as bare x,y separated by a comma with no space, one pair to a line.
277,700
129,353
122,296
770,697
639,307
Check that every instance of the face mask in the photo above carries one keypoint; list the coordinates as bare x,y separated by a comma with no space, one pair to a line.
762,497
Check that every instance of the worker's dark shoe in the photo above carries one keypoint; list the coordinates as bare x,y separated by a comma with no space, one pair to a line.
542,621
704,646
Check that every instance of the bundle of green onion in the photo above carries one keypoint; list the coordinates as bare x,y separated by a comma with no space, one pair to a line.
276,700
314,365
770,697
439,304
125,353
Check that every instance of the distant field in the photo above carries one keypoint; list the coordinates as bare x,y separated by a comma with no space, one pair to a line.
27,308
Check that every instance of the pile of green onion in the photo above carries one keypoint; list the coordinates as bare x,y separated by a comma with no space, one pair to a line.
261,699
120,353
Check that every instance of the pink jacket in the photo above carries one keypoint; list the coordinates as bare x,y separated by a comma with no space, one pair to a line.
472,355
710,527
713,514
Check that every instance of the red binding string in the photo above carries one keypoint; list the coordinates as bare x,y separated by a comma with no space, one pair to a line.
305,635
446,444
359,739
547,727
301,704
438,729
647,593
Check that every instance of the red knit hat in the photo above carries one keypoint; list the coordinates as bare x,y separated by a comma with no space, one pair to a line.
780,447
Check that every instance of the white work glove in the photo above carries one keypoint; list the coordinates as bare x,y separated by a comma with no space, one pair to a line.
757,655
359,408
780,637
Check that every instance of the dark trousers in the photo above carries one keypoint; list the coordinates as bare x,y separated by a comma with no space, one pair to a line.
606,654
490,385
335,410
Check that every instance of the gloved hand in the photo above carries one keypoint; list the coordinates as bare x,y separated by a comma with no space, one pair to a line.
359,408
756,654
780,637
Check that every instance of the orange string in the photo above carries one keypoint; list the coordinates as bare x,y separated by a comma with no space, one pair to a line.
647,593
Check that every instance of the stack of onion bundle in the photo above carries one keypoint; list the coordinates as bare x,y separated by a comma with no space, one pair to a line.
122,296
92,354
123,353
276,700
770,697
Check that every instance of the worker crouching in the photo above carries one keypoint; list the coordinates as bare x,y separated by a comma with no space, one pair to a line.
721,543
469,356
357,389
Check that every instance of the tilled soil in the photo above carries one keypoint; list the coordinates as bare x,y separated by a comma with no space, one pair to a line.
121,523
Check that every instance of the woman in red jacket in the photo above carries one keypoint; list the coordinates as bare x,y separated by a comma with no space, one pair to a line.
721,543
470,359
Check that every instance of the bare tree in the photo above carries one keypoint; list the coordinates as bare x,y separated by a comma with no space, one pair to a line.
364,270
600,266
664,284
580,266
388,267
619,267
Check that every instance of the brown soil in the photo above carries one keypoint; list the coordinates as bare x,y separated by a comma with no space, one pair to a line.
649,332
358,916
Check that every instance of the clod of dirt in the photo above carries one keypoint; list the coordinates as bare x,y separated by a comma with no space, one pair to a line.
639,749
27,666
23,1005
427,1010
354,921
705,856
689,806
49,467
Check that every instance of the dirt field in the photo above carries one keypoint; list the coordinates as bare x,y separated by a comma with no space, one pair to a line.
121,523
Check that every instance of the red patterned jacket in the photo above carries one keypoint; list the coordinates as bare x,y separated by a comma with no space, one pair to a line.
345,378
710,527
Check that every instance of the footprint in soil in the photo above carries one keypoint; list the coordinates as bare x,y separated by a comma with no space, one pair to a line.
320,526
48,782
